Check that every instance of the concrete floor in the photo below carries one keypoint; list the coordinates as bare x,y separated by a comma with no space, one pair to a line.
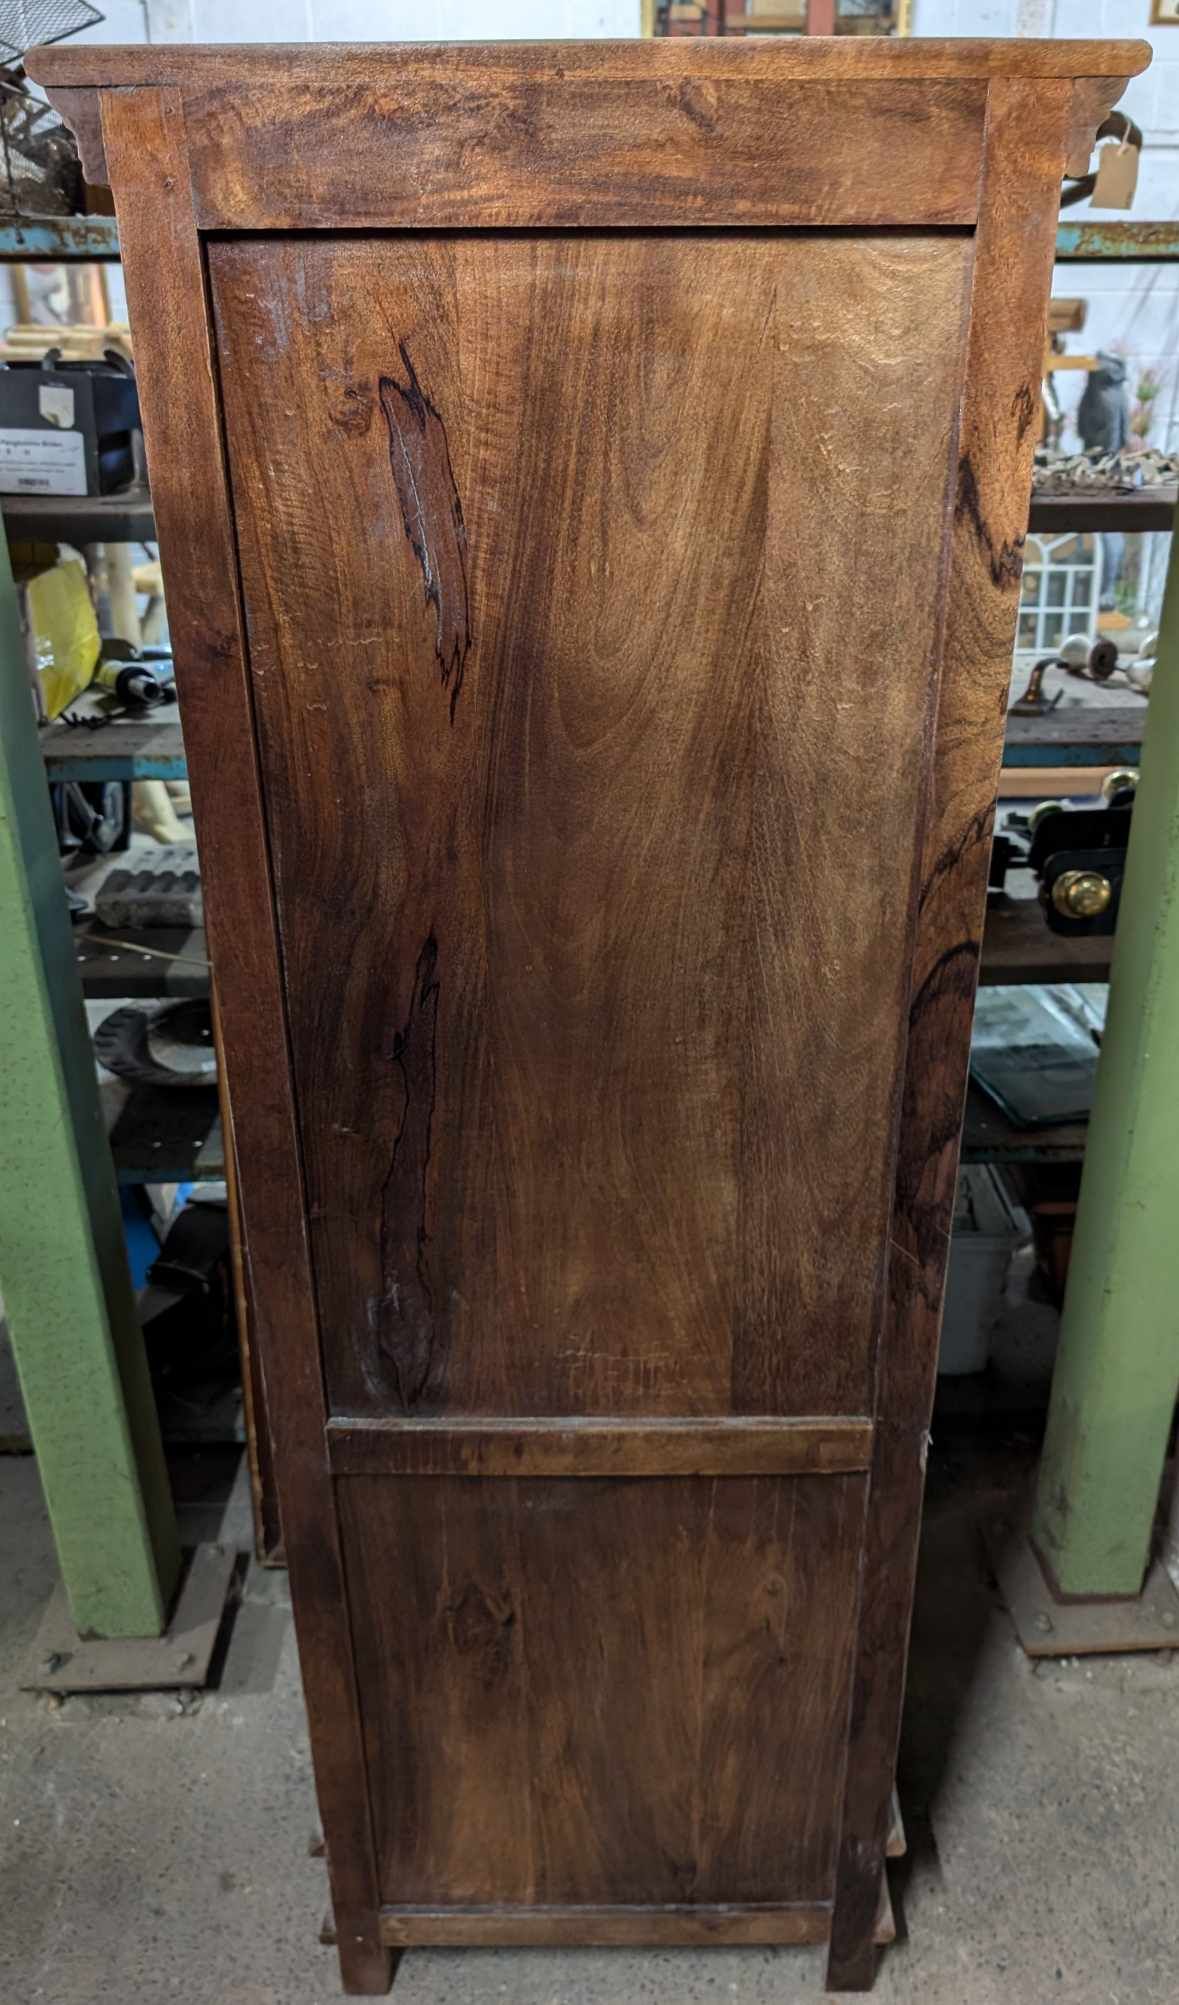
149,1855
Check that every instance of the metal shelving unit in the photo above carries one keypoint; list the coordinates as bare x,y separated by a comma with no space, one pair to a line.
1089,510
1018,945
151,748
1094,242
1075,735
46,239
59,240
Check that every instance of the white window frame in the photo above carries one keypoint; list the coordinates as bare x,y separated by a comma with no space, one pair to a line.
1079,610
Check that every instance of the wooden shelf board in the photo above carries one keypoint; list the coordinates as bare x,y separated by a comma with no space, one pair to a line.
168,1135
989,1137
1097,509
129,966
1019,946
147,749
1076,734
80,518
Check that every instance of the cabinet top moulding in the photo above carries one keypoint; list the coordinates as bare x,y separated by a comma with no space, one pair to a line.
551,135
818,58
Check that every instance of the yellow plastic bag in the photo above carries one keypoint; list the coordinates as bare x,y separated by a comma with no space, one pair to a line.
62,633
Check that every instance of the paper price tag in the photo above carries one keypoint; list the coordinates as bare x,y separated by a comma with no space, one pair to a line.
1117,176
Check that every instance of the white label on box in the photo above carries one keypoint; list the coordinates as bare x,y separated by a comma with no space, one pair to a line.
41,462
56,402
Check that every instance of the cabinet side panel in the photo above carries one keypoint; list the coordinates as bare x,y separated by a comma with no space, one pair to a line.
590,1692
162,257
1026,142
588,583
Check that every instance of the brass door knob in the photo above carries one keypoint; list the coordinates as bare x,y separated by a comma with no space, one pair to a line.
1081,894
1124,779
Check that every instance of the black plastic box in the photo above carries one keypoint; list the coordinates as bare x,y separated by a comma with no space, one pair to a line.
67,429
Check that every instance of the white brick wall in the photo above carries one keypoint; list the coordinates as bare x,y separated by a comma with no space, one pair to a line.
1133,309
965,17
372,20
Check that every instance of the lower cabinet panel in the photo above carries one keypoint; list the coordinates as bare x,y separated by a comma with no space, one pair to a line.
623,1927
593,1692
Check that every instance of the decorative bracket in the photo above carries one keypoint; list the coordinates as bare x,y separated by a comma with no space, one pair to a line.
81,111
1093,100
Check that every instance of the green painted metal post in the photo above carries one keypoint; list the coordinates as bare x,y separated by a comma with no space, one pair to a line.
63,1266
1117,1369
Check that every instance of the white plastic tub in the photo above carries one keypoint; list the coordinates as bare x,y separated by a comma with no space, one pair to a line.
988,1230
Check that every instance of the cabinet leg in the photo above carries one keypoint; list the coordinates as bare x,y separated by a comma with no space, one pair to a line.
367,1965
854,1970
854,1954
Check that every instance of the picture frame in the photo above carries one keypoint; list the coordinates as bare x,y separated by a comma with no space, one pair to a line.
1164,14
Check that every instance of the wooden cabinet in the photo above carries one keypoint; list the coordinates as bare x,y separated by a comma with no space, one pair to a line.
591,482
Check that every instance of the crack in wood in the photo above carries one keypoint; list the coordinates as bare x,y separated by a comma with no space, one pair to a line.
977,830
938,1018
1025,409
403,1315
432,512
1005,559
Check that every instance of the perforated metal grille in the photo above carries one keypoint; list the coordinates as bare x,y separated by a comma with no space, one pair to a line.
24,23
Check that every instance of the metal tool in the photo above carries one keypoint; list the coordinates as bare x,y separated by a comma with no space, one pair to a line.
1078,855
1079,657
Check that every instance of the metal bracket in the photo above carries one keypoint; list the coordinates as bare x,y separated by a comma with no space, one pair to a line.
1049,1627
63,1661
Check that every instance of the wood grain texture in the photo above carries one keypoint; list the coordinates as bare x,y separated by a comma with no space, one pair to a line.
596,866
608,1022
720,132
81,110
610,1928
1027,134
165,289
592,1692
508,150
553,1447
850,59
268,1545
1093,98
